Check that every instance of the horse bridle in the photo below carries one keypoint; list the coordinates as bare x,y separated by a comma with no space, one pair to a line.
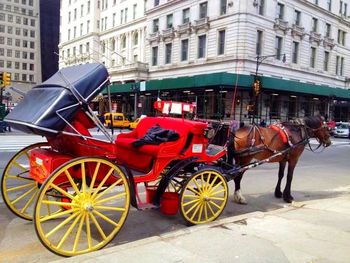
307,128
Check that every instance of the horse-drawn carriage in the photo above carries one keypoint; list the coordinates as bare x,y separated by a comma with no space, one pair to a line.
78,189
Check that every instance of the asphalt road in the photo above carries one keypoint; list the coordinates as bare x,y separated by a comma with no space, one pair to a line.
316,177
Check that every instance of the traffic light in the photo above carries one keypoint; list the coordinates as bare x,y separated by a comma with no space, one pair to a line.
6,78
1,80
257,87
250,108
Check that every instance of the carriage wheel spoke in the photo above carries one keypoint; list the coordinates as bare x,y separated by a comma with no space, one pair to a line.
108,189
198,187
193,190
106,218
74,185
207,182
21,167
94,177
192,207
58,203
200,212
97,225
60,225
205,211
29,202
59,189
216,186
88,231
55,215
218,192
83,178
190,196
21,187
190,202
215,204
77,237
210,208
23,195
217,198
118,209
27,154
102,183
110,198
17,177
70,229
196,211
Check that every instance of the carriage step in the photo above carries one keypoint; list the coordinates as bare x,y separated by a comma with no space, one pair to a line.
147,206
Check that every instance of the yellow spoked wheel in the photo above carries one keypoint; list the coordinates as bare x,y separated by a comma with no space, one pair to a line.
18,190
89,213
203,197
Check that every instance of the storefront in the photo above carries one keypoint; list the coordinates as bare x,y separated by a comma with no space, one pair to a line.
227,96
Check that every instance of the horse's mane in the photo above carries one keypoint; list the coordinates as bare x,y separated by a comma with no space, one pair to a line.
312,122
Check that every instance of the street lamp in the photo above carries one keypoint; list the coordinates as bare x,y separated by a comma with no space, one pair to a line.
257,83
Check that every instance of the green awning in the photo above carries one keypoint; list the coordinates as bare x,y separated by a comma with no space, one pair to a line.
229,80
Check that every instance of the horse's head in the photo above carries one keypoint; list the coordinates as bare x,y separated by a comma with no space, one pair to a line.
317,128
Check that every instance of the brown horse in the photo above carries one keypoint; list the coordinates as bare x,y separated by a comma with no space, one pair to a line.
283,143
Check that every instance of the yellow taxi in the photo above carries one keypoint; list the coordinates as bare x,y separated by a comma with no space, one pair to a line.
118,120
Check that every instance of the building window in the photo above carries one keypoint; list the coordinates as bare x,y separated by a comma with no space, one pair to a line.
113,21
340,7
221,42
341,37
341,66
261,7
184,49
87,47
126,15
337,65
202,41
295,52
81,10
169,21
136,39
313,57
297,15
134,11
68,34
185,15
154,56
278,47
123,44
168,49
314,25
69,17
329,5
81,29
155,25
88,26
280,11
75,13
121,16
203,10
328,30
316,2
259,36
326,61
88,7
223,5
156,2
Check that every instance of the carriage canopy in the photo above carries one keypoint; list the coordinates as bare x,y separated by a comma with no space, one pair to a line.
46,109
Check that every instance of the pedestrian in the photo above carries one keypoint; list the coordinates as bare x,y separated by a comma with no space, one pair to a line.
7,125
263,123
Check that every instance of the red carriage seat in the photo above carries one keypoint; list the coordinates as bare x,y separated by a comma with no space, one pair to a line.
140,159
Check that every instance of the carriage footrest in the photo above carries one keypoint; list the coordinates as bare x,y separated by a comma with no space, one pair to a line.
147,206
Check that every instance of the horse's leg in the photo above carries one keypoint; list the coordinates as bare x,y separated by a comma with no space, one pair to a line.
237,196
282,166
287,197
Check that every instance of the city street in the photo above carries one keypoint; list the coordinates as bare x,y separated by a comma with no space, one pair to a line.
318,176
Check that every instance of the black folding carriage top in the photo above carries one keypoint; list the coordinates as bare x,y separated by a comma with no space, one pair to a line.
46,109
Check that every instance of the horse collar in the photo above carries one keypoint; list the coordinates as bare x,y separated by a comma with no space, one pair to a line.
283,133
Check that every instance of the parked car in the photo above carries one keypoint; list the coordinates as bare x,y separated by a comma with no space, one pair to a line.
134,124
342,130
118,120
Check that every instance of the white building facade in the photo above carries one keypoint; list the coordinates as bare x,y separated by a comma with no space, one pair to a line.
20,43
212,51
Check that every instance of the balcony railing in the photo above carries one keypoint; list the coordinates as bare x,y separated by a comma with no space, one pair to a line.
184,28
298,30
202,23
315,37
135,66
154,37
328,42
280,24
168,33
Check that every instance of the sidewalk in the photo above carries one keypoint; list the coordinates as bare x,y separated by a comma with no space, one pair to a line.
311,231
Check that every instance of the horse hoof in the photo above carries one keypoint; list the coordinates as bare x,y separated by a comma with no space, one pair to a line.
239,198
278,194
288,199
